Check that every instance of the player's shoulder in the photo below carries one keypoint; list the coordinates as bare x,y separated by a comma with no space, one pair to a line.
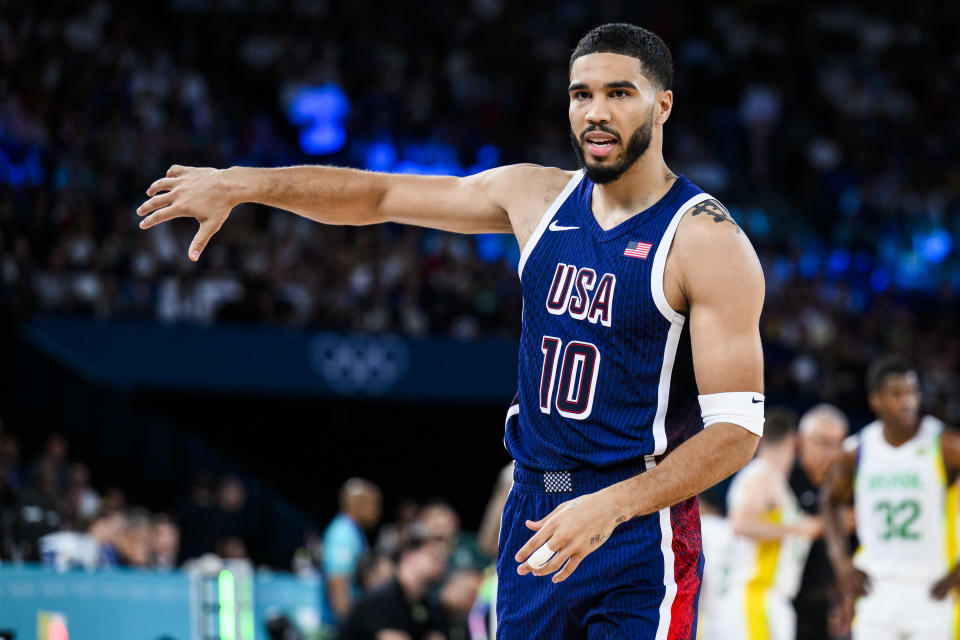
708,225
520,182
710,249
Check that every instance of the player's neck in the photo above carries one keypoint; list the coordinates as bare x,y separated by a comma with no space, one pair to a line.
897,436
639,188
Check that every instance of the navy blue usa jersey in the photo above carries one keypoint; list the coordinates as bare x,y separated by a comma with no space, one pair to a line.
606,373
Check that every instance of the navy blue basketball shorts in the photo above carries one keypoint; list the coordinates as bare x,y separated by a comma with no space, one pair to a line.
641,584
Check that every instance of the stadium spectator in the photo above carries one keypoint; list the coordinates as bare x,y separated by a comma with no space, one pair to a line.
39,511
196,511
376,569
400,609
233,517
164,542
392,535
821,432
81,501
344,543
52,460
133,542
457,595
105,529
440,520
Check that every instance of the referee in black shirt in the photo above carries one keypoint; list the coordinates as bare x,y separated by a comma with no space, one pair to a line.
822,430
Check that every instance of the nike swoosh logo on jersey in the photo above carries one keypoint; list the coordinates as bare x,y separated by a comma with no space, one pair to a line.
555,227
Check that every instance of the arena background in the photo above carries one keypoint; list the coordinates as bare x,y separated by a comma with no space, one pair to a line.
294,356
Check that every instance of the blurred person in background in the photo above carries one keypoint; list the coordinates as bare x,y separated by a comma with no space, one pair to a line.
376,569
482,618
81,501
718,553
39,511
54,457
900,474
105,529
457,597
133,543
233,515
231,548
196,513
392,535
344,543
441,520
488,537
820,437
772,537
400,609
164,542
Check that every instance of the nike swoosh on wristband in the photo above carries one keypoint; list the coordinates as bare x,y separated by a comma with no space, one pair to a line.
755,401
555,227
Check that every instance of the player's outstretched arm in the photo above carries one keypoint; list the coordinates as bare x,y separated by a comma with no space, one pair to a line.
500,200
748,515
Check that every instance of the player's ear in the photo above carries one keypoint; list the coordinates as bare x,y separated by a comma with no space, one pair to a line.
873,399
664,101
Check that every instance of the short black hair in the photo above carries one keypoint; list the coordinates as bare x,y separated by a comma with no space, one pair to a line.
778,425
630,40
886,366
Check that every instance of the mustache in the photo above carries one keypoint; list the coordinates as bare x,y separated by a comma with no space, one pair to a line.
601,128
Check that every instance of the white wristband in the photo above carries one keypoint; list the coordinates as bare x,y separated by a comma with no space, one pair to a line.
743,408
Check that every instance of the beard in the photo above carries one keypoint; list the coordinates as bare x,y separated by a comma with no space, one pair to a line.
637,145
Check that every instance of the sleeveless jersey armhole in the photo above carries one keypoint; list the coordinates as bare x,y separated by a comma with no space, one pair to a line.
660,261
545,220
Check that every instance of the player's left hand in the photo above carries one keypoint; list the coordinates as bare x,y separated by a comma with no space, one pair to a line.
942,587
574,529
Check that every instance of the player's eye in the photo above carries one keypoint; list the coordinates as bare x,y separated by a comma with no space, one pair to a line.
619,93
580,95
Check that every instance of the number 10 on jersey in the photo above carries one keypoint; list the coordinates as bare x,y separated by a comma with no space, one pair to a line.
579,368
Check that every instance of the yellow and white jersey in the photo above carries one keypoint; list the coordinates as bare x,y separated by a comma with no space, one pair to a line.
906,514
768,565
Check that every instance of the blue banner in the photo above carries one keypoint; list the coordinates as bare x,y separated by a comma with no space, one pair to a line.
145,355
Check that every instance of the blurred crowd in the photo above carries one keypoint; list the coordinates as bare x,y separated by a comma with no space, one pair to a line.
50,512
845,171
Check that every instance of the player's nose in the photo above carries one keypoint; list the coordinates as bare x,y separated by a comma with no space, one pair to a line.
598,112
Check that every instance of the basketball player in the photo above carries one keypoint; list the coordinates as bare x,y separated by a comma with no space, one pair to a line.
639,291
900,476
773,537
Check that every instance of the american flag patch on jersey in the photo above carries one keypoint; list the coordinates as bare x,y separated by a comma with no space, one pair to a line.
637,250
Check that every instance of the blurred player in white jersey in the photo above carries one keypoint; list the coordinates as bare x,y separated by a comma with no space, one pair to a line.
773,536
718,542
900,476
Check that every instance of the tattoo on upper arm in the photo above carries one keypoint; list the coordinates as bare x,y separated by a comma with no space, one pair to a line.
716,211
